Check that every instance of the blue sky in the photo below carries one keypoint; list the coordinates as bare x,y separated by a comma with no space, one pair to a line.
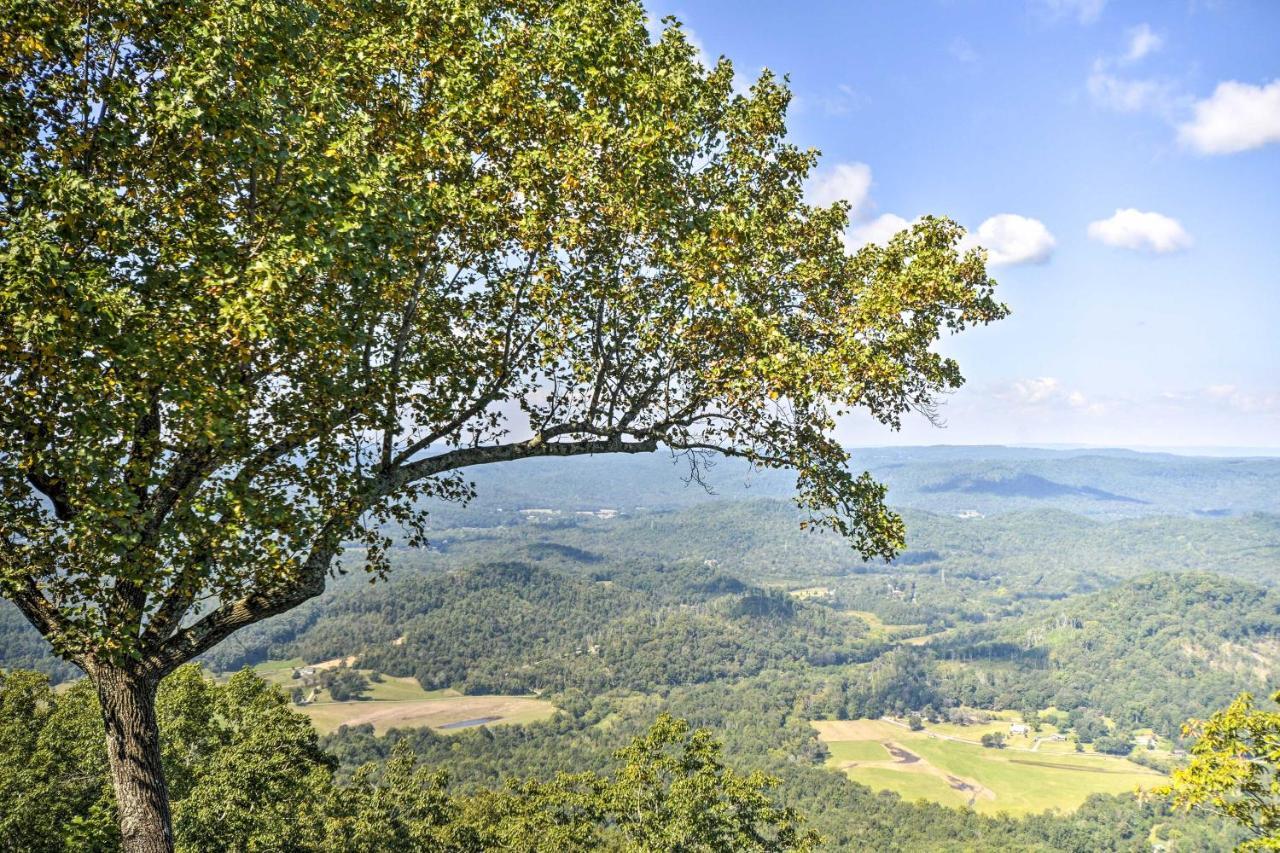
1125,158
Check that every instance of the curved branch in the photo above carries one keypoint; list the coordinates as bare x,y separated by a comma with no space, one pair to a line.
43,615
540,445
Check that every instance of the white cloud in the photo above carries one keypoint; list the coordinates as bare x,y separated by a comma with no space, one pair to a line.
962,51
1141,230
1012,239
1142,41
878,230
1033,391
1047,393
849,182
1236,117
1008,238
1084,11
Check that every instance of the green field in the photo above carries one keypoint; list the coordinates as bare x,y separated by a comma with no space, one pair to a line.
402,703
858,750
920,765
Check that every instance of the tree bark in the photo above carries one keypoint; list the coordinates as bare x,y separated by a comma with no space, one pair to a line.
128,701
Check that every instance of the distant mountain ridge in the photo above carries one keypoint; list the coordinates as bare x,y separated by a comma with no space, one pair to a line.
1024,486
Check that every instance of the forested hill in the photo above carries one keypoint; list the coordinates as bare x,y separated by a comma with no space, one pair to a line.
1150,652
513,627
563,578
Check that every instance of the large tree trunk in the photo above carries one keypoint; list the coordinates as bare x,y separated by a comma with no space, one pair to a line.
128,702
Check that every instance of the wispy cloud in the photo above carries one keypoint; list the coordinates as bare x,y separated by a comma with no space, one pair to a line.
1131,95
1083,11
1239,400
962,51
1142,41
1236,117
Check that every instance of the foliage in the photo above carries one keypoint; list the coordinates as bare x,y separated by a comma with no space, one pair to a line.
1233,770
246,773
517,627
1120,743
55,793
241,766
344,684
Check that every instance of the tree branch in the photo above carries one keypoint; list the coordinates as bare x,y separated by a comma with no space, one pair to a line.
43,615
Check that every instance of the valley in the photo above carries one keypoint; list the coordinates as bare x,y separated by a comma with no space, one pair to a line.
1078,630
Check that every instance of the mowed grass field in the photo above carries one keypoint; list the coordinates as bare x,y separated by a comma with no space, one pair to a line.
402,703
917,765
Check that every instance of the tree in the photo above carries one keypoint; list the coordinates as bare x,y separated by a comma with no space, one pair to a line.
1233,770
993,740
1120,743
274,273
1031,717
345,684
915,723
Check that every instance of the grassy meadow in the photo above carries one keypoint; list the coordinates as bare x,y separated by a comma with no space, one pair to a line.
1019,779
402,703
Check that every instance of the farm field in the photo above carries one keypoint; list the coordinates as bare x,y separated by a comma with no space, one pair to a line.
447,713
923,765
402,703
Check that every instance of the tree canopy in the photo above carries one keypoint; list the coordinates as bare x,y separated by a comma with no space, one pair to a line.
272,272
260,262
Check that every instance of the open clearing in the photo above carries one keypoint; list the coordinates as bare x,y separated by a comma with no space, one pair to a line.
450,714
924,765
881,631
402,703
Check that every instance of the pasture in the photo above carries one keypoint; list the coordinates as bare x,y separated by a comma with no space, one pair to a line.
402,703
1018,779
